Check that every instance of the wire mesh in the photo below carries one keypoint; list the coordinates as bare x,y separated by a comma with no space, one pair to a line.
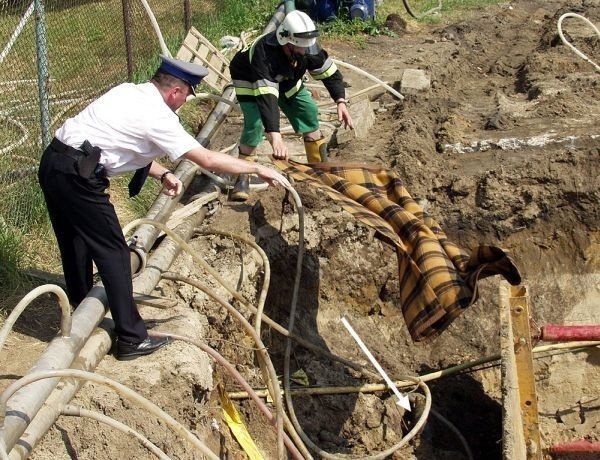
55,57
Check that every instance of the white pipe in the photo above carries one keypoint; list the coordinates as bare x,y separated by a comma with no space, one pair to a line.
369,76
24,137
214,97
91,354
14,82
65,322
74,411
118,387
58,355
564,40
157,31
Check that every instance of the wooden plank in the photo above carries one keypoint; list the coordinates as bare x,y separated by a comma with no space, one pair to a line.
219,64
363,117
201,53
194,32
179,215
196,48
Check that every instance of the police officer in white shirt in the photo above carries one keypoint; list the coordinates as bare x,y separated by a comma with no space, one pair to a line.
123,130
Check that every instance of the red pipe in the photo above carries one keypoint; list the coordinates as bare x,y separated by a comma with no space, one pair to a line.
576,447
569,333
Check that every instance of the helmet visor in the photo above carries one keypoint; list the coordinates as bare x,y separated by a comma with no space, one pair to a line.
307,34
313,49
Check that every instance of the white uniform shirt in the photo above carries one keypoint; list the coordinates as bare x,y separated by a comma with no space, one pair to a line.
132,125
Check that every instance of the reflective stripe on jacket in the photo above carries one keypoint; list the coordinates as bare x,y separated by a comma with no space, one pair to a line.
263,73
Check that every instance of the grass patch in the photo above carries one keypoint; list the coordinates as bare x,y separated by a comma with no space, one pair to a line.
231,17
356,30
13,258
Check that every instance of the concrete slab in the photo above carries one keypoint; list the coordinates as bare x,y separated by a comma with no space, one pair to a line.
414,81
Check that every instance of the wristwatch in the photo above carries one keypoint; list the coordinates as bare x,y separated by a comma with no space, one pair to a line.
164,175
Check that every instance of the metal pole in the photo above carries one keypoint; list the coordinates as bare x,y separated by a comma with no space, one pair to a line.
187,16
569,333
577,447
128,40
290,5
43,76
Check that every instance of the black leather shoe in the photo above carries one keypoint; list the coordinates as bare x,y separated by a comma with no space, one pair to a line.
127,351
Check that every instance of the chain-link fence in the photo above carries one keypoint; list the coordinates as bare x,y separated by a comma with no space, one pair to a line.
55,57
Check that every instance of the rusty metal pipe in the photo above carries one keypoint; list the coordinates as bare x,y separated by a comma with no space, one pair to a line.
581,446
569,333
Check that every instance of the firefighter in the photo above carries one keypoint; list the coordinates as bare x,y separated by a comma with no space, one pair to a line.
268,76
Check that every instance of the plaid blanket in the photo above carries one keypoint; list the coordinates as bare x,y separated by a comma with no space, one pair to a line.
438,280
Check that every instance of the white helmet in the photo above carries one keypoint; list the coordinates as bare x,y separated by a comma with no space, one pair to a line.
298,29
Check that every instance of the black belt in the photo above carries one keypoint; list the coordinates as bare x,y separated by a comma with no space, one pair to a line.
82,163
61,147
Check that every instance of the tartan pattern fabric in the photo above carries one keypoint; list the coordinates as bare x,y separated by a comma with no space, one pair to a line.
438,280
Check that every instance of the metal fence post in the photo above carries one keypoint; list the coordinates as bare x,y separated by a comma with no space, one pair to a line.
128,41
187,16
43,74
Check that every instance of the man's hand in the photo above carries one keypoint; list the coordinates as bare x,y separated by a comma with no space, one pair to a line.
172,186
280,150
272,177
344,114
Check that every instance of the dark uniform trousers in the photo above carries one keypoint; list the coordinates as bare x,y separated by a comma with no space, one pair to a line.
87,229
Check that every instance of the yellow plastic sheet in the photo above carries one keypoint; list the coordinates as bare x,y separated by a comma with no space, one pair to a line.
237,427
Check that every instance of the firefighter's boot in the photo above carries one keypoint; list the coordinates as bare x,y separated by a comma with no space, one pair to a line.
316,151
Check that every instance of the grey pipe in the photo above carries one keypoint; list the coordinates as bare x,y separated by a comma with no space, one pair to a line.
59,354
145,236
91,354
276,19
162,258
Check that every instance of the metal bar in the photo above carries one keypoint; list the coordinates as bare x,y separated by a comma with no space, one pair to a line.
570,333
519,316
582,446
290,5
513,439
187,16
41,40
128,40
